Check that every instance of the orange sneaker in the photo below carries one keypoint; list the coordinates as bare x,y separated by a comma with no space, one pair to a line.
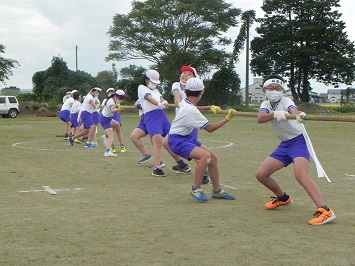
322,216
276,203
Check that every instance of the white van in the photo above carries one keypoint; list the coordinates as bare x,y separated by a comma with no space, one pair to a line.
9,106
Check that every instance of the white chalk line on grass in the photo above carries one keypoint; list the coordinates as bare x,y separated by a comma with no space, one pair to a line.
50,190
20,145
351,177
228,144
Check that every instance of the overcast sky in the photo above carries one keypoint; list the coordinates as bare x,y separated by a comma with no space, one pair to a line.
33,31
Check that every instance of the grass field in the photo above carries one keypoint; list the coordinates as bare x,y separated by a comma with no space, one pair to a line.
112,211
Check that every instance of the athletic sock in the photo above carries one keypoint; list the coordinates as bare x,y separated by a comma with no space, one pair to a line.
217,191
181,163
324,207
284,197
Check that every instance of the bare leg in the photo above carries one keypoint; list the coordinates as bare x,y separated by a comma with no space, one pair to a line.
301,173
264,172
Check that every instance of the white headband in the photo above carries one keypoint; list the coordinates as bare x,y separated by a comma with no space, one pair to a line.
274,81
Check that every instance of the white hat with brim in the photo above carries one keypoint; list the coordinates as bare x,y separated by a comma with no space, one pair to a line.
194,84
153,75
121,93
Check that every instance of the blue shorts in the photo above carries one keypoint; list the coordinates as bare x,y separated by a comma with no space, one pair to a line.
87,119
183,145
288,150
65,116
142,125
74,120
194,133
157,122
96,117
105,122
117,118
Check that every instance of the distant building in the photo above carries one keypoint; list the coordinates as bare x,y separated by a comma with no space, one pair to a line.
255,92
334,95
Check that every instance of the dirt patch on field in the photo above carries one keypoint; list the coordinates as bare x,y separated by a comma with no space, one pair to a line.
312,108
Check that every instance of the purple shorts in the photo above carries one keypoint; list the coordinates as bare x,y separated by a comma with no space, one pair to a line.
183,145
74,120
87,119
157,122
288,150
65,116
142,125
96,117
105,122
194,133
117,118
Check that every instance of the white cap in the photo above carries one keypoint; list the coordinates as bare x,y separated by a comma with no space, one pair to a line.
96,89
194,84
153,75
121,93
110,89
73,91
69,92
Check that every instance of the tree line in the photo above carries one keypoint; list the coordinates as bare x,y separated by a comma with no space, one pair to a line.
300,40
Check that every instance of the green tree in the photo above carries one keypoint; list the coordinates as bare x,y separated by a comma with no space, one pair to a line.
172,33
130,80
6,64
52,84
347,97
12,90
223,88
303,40
108,78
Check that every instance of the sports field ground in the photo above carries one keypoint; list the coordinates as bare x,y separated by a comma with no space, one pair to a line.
112,211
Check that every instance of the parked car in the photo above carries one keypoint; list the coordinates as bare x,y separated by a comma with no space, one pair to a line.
9,106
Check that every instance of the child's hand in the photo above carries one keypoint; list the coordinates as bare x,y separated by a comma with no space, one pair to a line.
214,109
118,107
280,116
163,105
301,117
230,114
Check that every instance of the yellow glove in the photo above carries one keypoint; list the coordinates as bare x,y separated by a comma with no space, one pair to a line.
119,107
230,114
214,109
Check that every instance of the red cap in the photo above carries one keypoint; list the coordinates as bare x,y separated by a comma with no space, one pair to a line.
188,68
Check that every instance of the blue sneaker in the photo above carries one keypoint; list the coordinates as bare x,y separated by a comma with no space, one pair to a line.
198,194
222,195
145,159
71,140
89,145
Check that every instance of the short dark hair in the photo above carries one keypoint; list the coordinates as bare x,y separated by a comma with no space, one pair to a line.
192,93
76,95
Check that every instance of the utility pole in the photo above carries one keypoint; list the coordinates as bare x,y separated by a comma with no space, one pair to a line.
76,57
247,67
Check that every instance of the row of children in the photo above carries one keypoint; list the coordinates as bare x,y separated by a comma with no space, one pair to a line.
180,138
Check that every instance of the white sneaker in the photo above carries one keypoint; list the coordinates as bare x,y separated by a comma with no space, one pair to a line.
104,139
109,154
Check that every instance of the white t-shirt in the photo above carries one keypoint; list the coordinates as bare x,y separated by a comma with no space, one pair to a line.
106,111
177,86
143,92
284,130
75,107
86,106
67,104
187,119
140,111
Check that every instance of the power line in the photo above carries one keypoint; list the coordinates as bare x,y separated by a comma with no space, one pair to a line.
47,56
